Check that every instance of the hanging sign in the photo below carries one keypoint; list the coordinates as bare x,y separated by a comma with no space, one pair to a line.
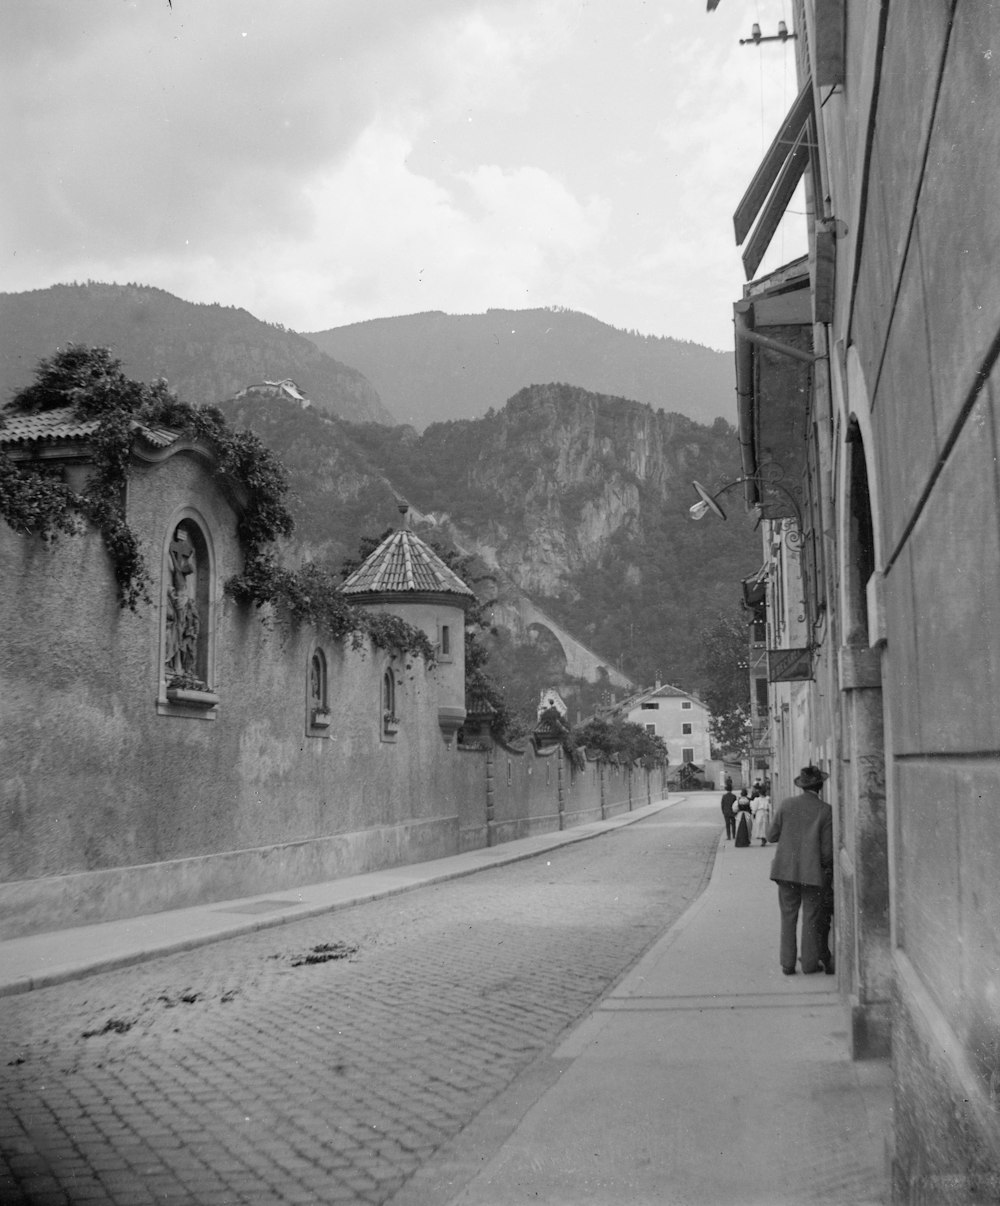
789,665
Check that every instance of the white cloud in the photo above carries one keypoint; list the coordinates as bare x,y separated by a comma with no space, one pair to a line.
320,163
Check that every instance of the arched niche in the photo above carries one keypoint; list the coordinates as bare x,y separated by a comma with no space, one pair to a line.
389,718
188,596
318,715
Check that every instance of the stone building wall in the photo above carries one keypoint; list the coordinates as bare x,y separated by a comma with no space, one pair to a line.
911,151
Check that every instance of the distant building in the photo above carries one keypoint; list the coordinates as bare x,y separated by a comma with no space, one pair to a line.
286,389
676,716
552,699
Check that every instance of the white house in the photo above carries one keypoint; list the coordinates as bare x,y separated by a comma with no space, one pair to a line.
680,718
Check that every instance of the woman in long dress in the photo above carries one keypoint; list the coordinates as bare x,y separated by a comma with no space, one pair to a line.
761,818
744,820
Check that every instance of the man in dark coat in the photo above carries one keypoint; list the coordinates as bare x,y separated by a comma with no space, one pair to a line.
728,804
803,862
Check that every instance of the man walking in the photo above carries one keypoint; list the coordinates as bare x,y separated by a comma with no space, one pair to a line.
728,804
803,830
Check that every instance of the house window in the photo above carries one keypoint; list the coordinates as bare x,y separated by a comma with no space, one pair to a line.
651,729
647,707
390,721
444,643
762,700
317,707
685,705
687,729
187,669
687,754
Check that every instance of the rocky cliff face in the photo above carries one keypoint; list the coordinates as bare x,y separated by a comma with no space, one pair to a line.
565,476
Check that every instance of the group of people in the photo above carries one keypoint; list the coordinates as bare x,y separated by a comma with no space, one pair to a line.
748,815
802,830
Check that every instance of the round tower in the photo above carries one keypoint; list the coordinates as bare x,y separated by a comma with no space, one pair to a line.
406,577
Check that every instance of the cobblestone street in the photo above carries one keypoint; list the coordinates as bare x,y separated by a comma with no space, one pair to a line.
325,1061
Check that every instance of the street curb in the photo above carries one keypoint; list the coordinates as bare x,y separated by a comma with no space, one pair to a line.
559,838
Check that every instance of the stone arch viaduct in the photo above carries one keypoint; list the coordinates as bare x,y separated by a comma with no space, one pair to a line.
521,614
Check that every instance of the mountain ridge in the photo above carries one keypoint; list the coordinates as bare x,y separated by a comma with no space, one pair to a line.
432,366
206,352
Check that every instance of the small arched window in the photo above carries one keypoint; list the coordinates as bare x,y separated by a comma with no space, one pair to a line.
390,721
318,704
444,642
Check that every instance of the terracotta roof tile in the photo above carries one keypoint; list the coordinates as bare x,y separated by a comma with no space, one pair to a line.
45,425
401,564
52,426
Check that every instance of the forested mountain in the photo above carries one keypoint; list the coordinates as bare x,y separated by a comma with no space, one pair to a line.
576,498
206,353
433,367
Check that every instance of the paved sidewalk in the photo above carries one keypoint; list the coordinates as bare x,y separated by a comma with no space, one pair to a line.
706,1078
52,958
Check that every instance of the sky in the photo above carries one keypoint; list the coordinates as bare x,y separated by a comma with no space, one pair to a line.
323,162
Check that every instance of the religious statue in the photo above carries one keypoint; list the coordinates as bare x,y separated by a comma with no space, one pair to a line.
182,621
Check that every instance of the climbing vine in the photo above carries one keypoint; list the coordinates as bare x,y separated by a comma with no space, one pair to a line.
91,382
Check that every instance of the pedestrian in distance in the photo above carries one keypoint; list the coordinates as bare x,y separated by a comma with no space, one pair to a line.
761,818
802,827
728,804
744,819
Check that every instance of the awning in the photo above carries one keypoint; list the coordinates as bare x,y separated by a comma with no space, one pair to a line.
775,181
773,386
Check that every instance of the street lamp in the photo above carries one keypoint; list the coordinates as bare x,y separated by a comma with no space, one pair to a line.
709,502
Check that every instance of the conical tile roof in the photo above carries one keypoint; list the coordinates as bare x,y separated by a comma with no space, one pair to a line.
403,564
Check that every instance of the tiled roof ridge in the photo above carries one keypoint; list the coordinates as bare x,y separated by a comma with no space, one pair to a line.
402,564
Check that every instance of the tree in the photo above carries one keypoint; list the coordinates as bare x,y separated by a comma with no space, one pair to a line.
726,671
628,740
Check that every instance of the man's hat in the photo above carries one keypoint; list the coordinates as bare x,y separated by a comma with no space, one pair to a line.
811,777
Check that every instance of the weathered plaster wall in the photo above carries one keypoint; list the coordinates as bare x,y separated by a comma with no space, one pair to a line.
526,799
926,324
111,808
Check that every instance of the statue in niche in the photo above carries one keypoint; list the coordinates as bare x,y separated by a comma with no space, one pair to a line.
182,620
316,681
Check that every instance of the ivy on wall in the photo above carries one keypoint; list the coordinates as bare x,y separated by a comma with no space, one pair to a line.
91,382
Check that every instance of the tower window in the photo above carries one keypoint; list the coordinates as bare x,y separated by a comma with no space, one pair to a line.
318,707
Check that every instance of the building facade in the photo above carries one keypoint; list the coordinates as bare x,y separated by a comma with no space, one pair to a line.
867,385
679,719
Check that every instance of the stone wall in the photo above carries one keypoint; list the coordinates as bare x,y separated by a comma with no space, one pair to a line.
120,800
